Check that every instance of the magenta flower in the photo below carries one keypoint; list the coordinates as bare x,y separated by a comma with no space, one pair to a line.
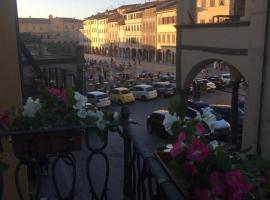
189,168
262,180
60,94
55,92
198,151
177,148
4,119
203,194
237,187
217,184
200,128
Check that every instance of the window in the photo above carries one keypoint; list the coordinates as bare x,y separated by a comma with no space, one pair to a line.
173,39
163,38
202,21
159,38
168,38
221,2
212,3
203,3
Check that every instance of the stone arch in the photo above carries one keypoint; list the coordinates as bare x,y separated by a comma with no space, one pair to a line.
237,76
168,56
159,55
193,60
127,52
133,53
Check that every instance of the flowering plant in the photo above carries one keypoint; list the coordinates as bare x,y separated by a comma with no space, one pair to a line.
55,108
207,171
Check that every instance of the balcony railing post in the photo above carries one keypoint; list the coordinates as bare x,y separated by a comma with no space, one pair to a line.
127,144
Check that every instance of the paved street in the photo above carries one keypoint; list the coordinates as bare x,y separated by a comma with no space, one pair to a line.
151,67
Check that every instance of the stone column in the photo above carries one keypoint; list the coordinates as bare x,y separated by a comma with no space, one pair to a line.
10,90
186,14
253,132
234,111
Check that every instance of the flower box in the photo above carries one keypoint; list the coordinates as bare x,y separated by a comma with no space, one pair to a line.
164,158
43,143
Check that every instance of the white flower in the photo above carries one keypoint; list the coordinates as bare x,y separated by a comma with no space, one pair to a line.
82,113
91,114
100,115
81,101
214,144
209,118
116,116
101,124
31,107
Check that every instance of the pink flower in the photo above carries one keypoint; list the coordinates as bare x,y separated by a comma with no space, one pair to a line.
189,168
262,180
60,94
237,187
217,184
198,151
64,97
200,128
177,148
203,194
55,92
4,119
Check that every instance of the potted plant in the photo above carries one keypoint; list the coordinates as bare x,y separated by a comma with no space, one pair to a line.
52,123
204,170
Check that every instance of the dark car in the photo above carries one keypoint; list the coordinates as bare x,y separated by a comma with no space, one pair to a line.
218,81
164,89
221,125
225,112
159,122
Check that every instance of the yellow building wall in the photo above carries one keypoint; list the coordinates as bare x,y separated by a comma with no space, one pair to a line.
166,29
206,14
135,32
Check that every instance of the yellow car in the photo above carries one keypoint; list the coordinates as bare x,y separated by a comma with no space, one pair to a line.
121,95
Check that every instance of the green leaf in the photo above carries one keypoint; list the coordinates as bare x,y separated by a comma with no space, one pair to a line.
221,160
177,105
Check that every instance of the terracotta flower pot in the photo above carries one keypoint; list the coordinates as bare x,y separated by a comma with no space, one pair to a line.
43,144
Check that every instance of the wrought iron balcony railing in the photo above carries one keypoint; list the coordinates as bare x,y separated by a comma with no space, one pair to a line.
141,173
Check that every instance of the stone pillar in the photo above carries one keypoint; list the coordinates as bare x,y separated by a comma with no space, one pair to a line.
186,14
10,90
253,111
234,111
248,10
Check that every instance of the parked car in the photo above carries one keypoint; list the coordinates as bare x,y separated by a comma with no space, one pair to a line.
226,78
210,86
225,112
160,122
144,92
98,99
164,88
217,81
220,126
121,95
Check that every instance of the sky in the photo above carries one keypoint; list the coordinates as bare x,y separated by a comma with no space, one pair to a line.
79,9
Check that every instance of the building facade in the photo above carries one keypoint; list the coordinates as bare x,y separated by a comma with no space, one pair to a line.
147,31
166,33
55,30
